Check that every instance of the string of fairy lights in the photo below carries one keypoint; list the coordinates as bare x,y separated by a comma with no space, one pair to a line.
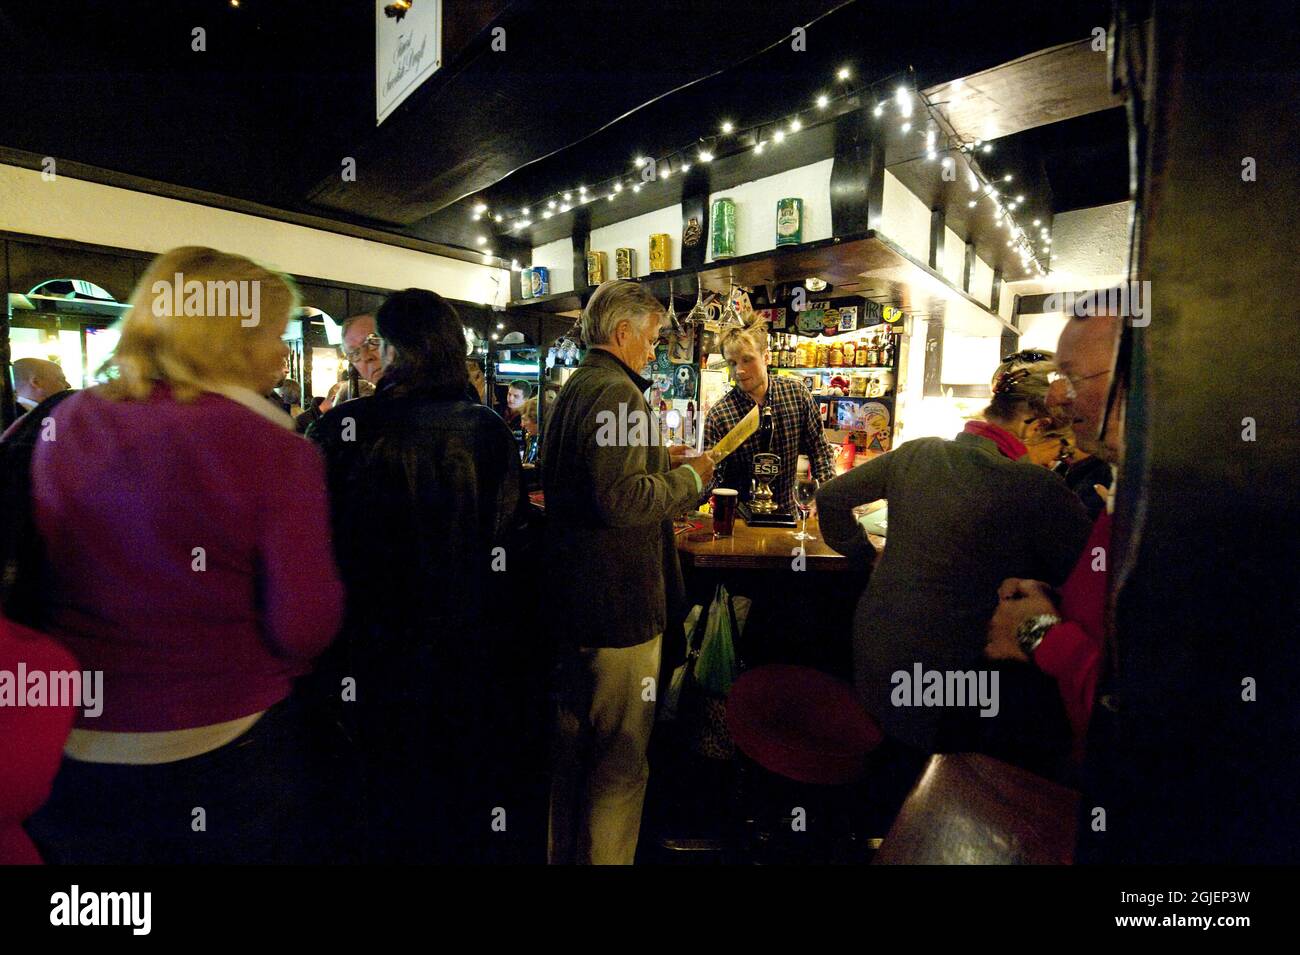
900,105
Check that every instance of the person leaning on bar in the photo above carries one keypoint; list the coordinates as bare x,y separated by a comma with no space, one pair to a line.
961,512
797,428
611,493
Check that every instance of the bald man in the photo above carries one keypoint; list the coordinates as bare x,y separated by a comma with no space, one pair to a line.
35,379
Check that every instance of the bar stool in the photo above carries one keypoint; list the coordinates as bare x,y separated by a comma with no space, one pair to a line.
804,740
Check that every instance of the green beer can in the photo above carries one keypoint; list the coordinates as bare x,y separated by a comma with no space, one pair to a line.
789,221
724,228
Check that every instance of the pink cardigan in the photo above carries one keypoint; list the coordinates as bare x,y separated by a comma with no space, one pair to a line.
190,552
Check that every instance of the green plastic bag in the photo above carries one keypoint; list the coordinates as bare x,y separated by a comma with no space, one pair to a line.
718,666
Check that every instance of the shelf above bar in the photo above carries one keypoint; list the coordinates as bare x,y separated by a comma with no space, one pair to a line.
868,264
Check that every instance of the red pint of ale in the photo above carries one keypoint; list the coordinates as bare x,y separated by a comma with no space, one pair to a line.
724,511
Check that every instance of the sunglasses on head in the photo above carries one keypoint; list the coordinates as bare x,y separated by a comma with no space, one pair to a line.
1030,355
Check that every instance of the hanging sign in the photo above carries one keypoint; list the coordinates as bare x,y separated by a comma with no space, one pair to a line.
408,50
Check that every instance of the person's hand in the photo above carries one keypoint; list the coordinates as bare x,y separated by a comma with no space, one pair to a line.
1018,600
702,465
677,453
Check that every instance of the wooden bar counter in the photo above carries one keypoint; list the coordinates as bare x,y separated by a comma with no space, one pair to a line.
759,548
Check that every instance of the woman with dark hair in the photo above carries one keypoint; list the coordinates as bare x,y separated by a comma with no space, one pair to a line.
425,487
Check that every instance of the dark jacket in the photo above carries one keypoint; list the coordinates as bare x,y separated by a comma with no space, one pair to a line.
962,518
611,556
424,484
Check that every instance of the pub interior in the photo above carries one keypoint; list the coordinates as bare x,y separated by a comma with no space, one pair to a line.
674,434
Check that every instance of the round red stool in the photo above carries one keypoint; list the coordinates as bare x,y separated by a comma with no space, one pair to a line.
802,724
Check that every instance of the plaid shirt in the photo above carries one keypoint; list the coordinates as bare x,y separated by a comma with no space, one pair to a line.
796,429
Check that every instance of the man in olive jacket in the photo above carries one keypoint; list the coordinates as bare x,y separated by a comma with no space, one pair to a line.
611,493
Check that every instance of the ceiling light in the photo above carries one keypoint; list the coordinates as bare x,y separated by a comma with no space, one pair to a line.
481,240
778,136
1038,222
758,148
843,74
523,211
880,108
551,204
618,187
795,125
823,101
547,214
685,166
987,148
727,127
567,196
499,217
637,187
565,207
1007,177
971,203
947,162
706,156
480,208
477,216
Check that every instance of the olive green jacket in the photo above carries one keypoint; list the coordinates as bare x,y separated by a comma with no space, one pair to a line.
612,572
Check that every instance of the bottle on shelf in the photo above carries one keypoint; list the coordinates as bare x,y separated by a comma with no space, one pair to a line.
873,354
862,352
850,354
835,355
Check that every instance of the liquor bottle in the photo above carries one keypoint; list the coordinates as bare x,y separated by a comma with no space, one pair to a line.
873,354
850,354
862,352
789,352
835,356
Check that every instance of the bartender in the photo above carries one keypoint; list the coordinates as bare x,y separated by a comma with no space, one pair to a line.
796,426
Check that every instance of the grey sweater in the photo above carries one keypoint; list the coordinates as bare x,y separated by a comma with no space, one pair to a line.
962,518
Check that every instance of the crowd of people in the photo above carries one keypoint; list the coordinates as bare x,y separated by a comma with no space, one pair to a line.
312,648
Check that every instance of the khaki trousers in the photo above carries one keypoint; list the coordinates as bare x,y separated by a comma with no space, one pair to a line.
599,771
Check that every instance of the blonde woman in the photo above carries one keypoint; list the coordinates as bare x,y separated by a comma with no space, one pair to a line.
176,508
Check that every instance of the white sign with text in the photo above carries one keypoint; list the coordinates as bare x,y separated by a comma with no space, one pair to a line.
408,50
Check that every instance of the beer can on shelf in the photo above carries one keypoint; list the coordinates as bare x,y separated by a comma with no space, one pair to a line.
661,252
541,281
789,221
595,268
526,283
723,221
625,263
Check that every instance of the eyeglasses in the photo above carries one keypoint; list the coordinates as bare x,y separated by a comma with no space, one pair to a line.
1072,381
371,342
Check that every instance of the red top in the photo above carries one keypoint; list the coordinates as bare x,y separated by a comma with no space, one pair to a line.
125,496
1072,650
31,740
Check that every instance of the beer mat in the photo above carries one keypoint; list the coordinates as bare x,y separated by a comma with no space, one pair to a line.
734,438
681,527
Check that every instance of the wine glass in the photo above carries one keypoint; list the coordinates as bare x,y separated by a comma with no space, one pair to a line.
805,492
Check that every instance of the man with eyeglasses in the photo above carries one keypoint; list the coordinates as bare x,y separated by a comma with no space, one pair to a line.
361,347
1063,633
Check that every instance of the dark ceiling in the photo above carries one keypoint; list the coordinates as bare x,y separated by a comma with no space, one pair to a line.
285,90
